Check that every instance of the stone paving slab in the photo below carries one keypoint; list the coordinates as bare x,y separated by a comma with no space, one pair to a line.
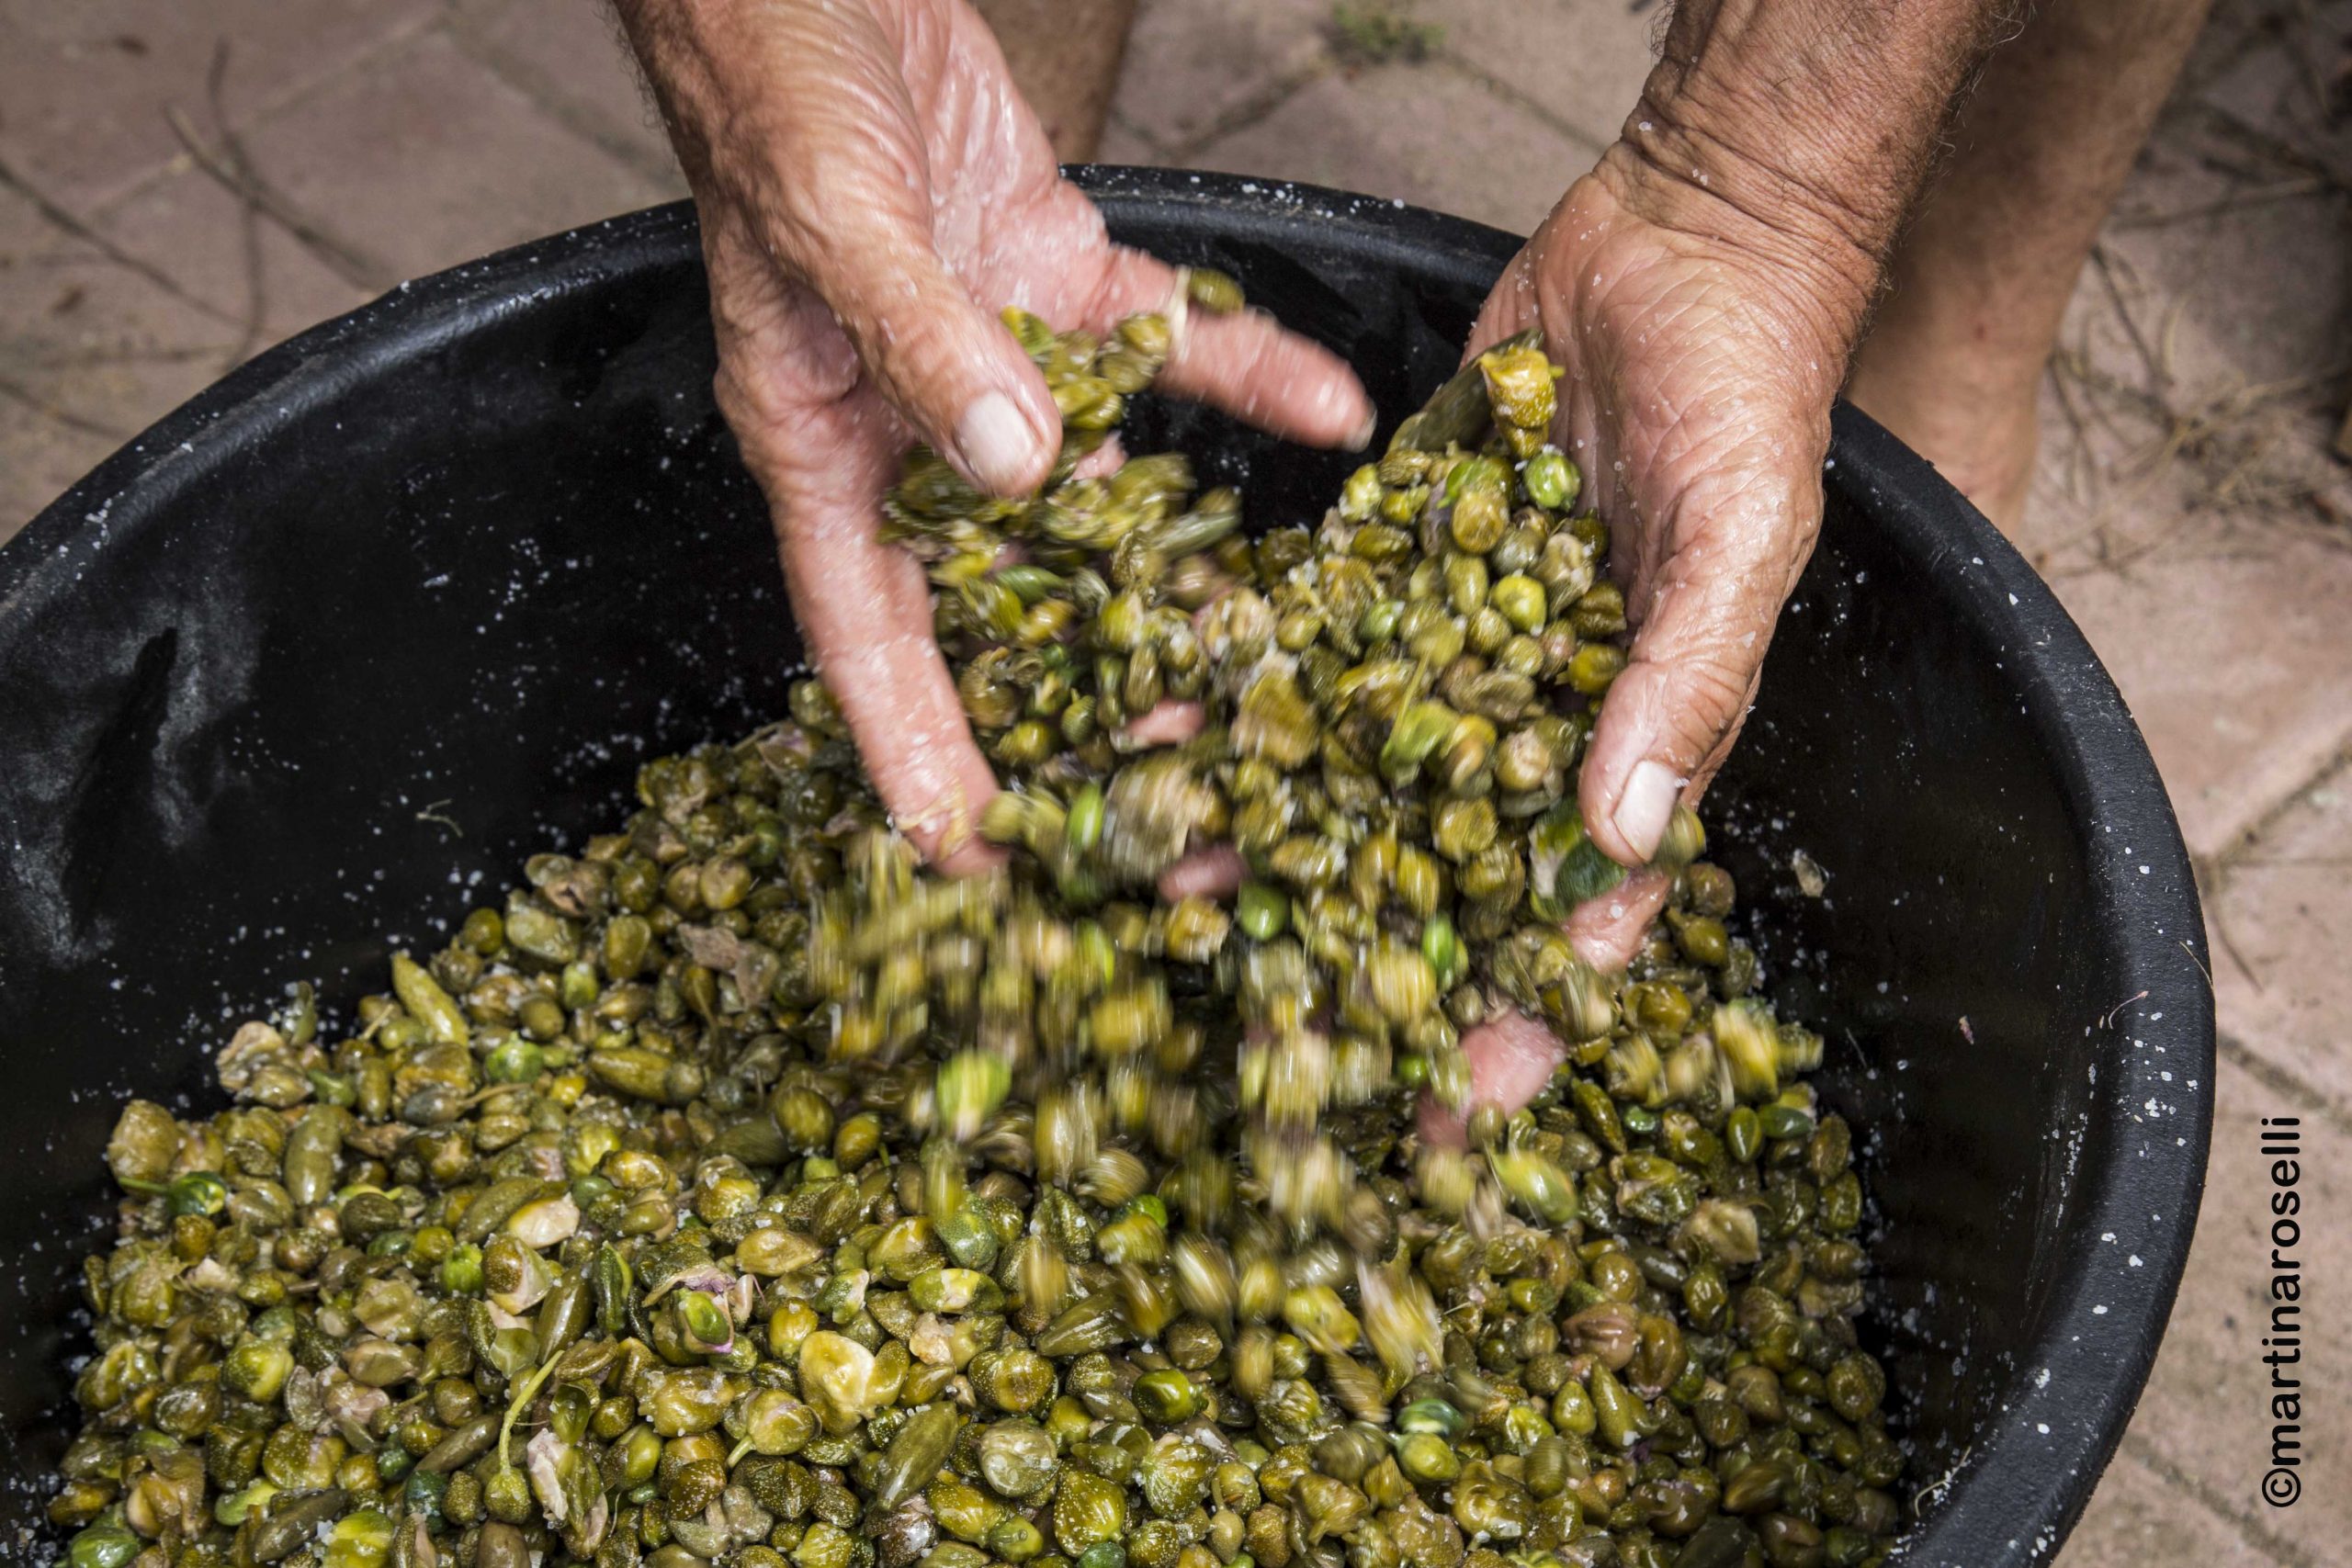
568,54
2182,278
476,123
2282,926
2182,503
430,158
2138,1517
1191,63
98,347
2205,1422
90,353
43,456
1581,62
1391,131
202,227
1123,143
94,352
2230,648
2268,64
85,81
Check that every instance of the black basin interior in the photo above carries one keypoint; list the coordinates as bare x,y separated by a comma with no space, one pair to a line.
315,662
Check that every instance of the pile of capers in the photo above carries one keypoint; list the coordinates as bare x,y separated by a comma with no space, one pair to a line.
741,1192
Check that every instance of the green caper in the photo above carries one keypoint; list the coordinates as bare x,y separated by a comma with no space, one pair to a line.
1551,480
1212,291
737,1188
1166,1396
1480,515
1262,911
1087,1511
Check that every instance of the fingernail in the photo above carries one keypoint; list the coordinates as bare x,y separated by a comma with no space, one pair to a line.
1646,806
1364,434
998,445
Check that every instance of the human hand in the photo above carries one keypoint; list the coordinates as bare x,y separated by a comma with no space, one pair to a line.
1704,286
872,191
1703,350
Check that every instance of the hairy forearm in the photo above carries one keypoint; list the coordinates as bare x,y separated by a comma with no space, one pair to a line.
1803,128
677,45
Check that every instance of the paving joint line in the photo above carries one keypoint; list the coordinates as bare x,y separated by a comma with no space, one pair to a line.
2281,1081
24,397
88,230
1252,110
1535,108
1128,126
66,222
2230,856
2256,1534
293,96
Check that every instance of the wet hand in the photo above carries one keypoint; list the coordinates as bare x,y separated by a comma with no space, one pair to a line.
873,190
1703,360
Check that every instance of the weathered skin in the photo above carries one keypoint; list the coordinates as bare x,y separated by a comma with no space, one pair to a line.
873,190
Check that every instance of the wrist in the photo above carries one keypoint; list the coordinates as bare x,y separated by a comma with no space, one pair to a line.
1797,134
675,43
1795,272
753,92
1672,169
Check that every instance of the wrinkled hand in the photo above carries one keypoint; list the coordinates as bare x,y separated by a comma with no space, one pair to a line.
872,191
1702,361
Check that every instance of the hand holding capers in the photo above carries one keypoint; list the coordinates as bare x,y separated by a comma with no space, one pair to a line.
872,189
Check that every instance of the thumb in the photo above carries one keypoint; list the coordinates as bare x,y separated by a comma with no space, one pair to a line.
954,371
1672,715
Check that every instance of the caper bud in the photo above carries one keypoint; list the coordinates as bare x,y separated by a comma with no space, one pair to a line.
738,1188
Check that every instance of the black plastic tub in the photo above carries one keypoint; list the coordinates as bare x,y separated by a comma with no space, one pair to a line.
319,658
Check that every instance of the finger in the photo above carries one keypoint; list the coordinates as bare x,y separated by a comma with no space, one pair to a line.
868,628
1679,702
1712,763
1169,723
835,177
1608,930
864,610
1511,1058
949,366
1213,870
865,613
1103,462
1245,363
